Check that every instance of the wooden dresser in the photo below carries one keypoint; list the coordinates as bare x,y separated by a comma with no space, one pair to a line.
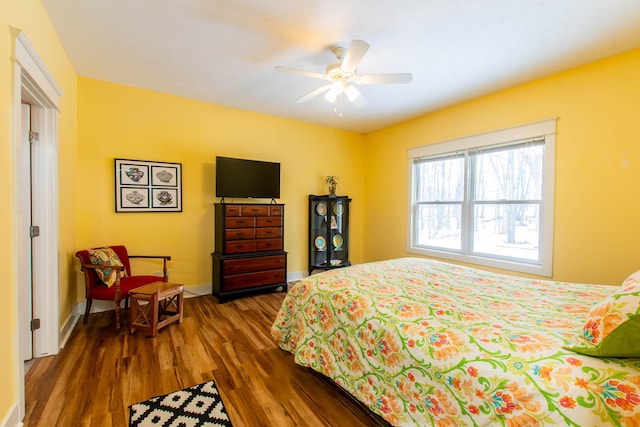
249,249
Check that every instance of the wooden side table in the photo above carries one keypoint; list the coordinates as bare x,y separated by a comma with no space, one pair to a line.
155,306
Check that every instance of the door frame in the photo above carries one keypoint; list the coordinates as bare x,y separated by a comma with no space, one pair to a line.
33,81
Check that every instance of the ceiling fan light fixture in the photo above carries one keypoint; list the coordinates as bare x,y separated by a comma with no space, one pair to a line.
331,96
337,88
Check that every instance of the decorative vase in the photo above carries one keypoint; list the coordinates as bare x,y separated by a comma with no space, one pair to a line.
333,183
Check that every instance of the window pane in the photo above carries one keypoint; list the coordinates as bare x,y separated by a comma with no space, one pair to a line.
507,230
509,173
440,179
439,226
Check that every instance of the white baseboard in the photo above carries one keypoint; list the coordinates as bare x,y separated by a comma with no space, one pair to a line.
99,306
189,292
197,290
296,275
67,328
12,419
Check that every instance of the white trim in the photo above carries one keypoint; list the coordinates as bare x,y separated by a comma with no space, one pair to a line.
296,275
32,79
12,419
99,306
543,128
29,60
512,134
67,329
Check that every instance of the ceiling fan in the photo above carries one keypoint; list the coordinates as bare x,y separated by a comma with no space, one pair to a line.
342,76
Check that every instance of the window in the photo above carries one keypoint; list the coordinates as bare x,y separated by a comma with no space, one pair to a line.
486,199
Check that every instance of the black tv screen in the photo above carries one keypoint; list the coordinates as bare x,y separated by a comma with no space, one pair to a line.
247,178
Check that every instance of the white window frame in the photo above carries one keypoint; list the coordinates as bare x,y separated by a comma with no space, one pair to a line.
543,129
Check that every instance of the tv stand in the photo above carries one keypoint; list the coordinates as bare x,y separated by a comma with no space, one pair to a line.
249,249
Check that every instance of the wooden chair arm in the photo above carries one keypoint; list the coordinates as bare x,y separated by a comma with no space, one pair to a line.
165,258
103,266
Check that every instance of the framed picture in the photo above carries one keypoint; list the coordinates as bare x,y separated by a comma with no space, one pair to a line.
145,186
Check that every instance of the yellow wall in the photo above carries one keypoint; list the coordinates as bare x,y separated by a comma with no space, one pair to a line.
597,234
118,121
598,170
30,17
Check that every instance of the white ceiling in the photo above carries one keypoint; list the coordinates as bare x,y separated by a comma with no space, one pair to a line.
224,52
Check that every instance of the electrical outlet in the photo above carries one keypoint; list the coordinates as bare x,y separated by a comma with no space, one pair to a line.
158,274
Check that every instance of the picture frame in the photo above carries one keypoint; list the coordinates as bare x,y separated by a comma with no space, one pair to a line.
147,186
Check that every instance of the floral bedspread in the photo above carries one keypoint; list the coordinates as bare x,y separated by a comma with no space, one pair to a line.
424,343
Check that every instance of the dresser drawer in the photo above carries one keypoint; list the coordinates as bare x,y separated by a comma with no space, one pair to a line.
275,210
250,280
248,265
268,245
266,233
240,246
269,221
254,210
240,233
239,222
232,210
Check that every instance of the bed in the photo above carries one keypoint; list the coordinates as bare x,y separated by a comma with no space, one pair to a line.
426,343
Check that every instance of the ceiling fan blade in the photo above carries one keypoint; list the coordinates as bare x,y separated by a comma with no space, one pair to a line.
354,55
313,94
355,96
374,79
301,72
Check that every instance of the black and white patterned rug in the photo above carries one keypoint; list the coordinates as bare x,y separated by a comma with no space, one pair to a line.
197,406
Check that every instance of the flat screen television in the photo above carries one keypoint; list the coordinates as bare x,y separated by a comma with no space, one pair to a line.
247,178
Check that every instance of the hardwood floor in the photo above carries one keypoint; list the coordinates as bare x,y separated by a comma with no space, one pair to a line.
99,373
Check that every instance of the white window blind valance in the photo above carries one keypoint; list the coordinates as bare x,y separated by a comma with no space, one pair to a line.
525,132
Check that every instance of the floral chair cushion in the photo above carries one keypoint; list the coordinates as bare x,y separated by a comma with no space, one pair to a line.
612,328
106,256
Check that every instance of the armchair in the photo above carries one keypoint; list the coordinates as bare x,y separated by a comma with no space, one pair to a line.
97,289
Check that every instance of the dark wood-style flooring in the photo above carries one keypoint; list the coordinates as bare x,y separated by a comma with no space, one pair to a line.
99,373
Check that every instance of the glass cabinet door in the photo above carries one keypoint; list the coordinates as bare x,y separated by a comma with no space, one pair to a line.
338,226
318,227
328,232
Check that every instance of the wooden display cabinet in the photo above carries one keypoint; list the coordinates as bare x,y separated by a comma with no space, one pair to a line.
328,232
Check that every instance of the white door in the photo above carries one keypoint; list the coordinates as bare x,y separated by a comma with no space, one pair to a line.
25,295
37,255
